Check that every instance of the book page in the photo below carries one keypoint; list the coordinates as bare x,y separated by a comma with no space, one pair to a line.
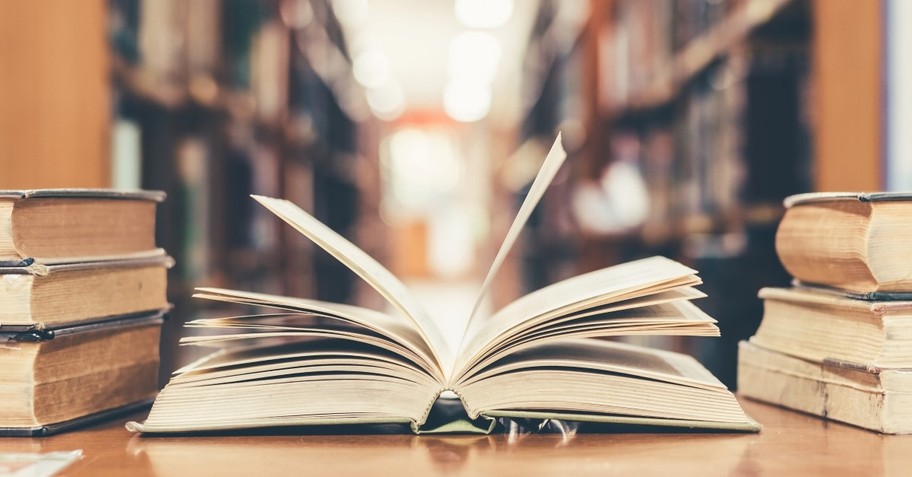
668,319
602,380
627,280
375,274
332,381
394,327
296,328
608,356
546,174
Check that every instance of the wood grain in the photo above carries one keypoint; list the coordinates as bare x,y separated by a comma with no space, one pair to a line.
848,94
54,94
791,443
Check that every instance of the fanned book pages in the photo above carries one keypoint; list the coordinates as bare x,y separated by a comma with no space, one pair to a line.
543,356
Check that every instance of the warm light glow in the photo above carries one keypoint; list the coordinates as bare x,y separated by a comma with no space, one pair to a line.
422,167
371,68
467,101
474,54
387,101
352,13
483,13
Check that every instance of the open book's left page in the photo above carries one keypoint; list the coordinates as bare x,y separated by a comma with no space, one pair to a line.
375,274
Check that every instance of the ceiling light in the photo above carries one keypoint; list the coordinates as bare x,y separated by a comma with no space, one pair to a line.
352,13
371,68
387,101
474,54
483,13
467,101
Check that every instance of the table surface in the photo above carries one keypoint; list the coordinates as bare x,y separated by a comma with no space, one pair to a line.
790,443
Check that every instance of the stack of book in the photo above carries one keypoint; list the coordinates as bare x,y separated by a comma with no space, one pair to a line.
838,343
82,296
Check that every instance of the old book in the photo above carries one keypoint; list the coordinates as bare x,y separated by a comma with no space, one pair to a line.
65,225
868,397
816,326
56,379
850,241
313,363
42,296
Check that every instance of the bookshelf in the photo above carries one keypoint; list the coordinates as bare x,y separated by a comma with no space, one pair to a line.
705,115
240,97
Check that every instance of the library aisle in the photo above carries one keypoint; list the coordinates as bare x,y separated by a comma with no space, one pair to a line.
686,122
414,129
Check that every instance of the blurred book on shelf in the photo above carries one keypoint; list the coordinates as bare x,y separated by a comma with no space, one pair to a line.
242,97
704,105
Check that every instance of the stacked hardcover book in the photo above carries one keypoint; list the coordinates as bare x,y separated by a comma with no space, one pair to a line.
838,343
82,296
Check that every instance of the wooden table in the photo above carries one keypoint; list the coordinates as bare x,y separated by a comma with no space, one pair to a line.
790,444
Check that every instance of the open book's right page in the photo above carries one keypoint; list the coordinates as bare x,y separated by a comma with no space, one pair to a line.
608,284
553,161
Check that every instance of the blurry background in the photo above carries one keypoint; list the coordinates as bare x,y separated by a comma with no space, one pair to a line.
413,127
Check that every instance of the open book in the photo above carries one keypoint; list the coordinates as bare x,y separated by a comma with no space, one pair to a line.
314,363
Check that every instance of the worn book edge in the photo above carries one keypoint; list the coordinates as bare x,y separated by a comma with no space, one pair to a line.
821,197
151,195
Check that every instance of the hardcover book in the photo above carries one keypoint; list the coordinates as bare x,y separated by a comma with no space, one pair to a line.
817,326
851,241
39,296
54,379
858,394
52,226
544,356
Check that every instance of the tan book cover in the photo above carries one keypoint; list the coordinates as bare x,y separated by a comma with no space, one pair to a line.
852,241
70,225
818,326
57,379
865,396
40,296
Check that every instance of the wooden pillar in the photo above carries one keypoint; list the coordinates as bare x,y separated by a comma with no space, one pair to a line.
848,92
54,94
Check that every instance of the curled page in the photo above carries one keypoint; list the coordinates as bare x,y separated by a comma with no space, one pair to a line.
375,274
546,174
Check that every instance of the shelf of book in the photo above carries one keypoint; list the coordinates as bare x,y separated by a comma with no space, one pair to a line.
699,53
696,125
247,102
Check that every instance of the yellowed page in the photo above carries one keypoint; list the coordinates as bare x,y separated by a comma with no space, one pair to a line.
612,357
395,328
668,319
238,333
375,274
599,378
624,281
